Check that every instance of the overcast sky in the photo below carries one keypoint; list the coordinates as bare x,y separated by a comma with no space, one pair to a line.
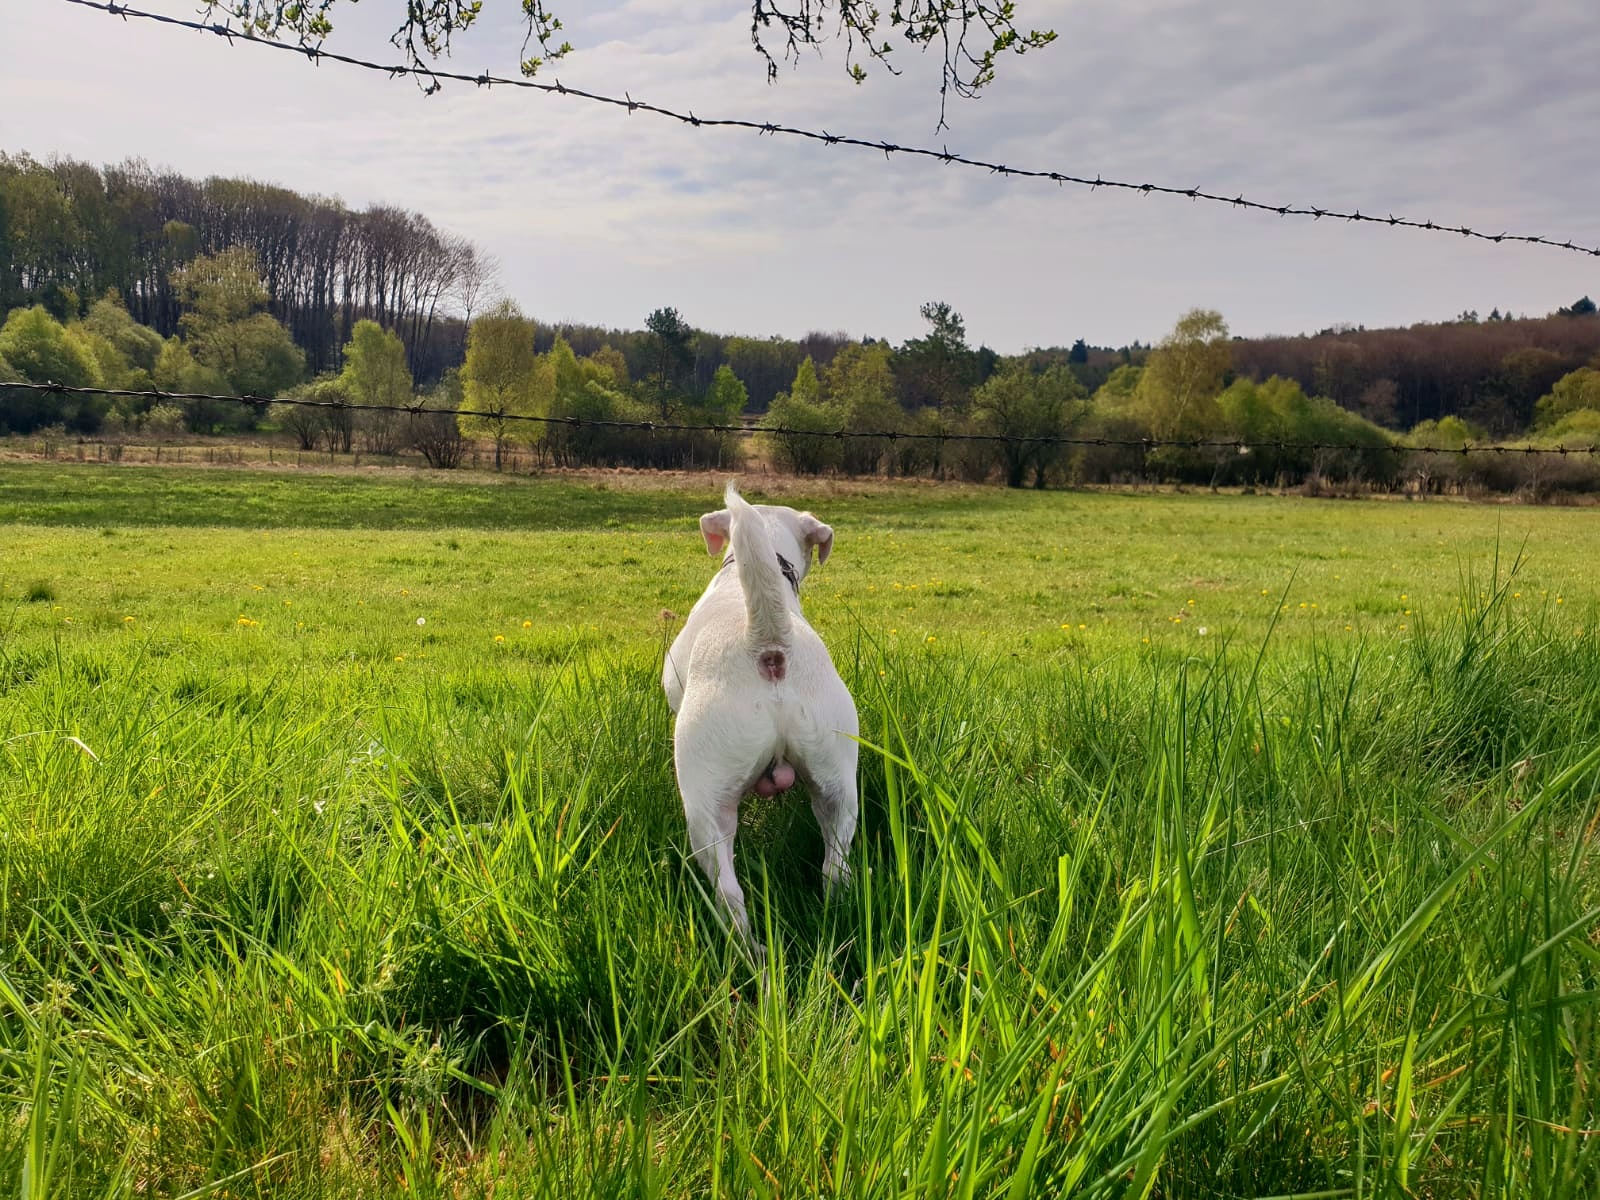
1468,112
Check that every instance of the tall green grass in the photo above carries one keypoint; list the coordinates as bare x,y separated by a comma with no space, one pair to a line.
1317,921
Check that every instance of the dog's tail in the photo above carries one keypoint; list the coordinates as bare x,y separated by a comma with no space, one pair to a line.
766,592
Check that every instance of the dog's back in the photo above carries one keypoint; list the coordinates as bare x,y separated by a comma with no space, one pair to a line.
753,601
767,592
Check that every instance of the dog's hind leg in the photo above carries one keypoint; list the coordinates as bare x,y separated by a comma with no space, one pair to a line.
713,822
835,804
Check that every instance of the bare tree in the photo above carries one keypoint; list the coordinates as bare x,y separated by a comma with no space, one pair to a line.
473,281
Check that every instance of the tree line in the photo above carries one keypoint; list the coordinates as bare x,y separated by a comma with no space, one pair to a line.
70,232
263,292
1489,372
932,406
1185,411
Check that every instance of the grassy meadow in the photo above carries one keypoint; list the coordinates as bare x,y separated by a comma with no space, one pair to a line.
1211,846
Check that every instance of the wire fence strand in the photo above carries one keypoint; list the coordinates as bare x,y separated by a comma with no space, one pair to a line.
1237,444
433,77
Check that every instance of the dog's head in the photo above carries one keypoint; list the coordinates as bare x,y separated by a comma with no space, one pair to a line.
794,534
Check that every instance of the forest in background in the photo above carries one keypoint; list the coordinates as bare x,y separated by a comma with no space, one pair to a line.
130,277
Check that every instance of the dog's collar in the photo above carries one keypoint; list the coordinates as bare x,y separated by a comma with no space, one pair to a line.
787,568
784,565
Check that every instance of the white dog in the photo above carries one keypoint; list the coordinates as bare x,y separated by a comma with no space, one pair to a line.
757,696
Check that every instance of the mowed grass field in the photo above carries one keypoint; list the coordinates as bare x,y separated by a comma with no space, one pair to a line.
1212,845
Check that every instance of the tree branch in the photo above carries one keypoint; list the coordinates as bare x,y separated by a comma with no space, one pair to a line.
971,34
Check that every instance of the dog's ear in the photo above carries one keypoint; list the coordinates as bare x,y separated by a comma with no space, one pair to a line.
714,527
814,533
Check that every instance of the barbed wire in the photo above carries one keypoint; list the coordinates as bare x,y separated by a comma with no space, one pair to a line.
433,78
1238,444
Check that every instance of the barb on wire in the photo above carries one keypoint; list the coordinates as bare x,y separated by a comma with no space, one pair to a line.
1238,445
432,78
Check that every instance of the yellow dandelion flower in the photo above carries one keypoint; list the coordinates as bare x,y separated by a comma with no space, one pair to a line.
127,620
1191,604
931,638
1083,627
527,624
499,637
399,658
